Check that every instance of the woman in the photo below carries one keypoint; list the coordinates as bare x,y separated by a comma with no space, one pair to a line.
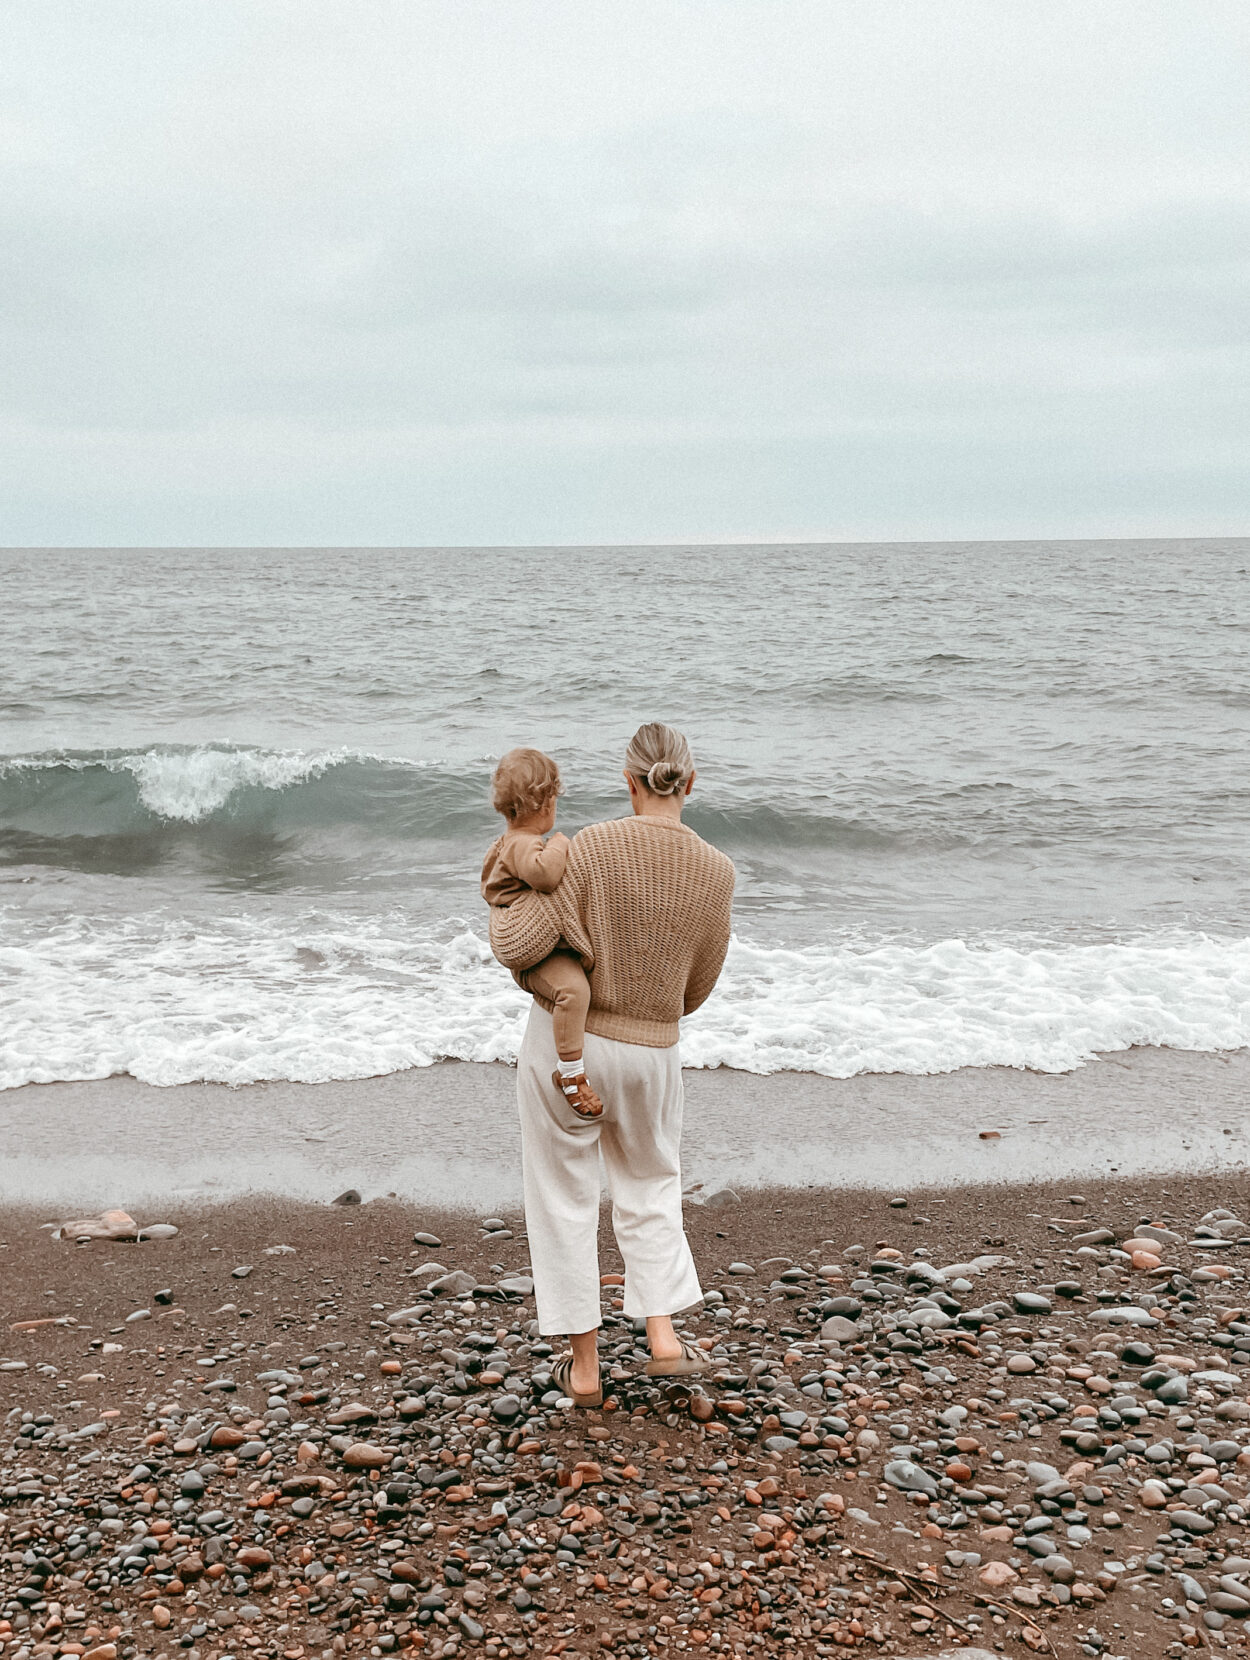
646,904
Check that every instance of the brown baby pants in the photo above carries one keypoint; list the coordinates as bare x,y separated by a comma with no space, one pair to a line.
561,979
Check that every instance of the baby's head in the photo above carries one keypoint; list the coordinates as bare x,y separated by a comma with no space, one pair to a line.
526,784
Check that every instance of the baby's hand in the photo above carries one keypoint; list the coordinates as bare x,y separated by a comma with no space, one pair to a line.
557,837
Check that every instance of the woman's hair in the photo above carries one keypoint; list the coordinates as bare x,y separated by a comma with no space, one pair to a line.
524,782
659,758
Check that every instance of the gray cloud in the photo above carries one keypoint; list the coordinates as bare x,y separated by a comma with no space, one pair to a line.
445,272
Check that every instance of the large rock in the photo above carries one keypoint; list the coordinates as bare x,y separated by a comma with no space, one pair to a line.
917,1273
1125,1315
960,1654
362,1455
456,1284
408,1316
109,1224
910,1478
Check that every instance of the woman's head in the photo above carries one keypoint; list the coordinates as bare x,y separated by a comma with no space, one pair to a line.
526,783
659,761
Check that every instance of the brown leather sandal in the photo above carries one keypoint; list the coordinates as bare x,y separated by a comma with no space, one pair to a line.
578,1093
562,1377
689,1363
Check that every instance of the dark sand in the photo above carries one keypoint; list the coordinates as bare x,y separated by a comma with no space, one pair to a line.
320,1311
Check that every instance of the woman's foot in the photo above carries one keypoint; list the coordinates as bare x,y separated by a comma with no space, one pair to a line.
584,1376
577,1374
577,1092
685,1361
570,1382
672,1356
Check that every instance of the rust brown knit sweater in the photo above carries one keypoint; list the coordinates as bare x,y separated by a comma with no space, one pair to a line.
646,903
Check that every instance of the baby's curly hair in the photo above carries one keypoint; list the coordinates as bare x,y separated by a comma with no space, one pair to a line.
524,782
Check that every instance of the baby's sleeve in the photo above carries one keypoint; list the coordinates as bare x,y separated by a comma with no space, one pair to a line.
540,865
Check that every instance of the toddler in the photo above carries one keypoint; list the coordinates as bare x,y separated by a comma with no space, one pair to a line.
520,863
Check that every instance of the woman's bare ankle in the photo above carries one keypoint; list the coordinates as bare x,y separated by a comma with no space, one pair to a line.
662,1340
585,1348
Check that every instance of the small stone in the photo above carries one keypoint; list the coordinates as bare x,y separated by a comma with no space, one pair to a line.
350,1197
1020,1363
997,1574
240,1273
838,1329
1059,1569
1032,1302
430,1240
740,1268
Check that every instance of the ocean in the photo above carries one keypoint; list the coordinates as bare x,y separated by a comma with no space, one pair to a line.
988,802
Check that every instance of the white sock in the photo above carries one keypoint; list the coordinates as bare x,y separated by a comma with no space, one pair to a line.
571,1069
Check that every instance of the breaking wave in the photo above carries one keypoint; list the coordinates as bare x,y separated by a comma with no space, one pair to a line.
146,798
254,997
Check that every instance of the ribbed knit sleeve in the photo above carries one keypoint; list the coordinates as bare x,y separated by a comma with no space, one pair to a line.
714,947
523,934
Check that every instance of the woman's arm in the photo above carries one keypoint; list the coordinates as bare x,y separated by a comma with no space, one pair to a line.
710,958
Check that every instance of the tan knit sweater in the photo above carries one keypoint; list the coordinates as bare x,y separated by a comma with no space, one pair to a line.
646,904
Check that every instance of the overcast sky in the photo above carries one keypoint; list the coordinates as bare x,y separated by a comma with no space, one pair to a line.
532,271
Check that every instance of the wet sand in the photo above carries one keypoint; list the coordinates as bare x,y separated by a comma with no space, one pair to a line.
446,1135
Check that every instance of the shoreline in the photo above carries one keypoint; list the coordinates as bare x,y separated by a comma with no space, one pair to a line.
446,1135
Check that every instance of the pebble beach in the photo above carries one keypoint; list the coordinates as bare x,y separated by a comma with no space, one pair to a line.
974,1420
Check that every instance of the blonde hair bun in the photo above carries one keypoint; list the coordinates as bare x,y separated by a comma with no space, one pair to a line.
659,758
664,778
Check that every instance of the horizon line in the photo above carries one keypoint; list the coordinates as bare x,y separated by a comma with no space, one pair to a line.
594,547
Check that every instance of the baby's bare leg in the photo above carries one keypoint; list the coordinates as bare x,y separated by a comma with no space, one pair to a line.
561,979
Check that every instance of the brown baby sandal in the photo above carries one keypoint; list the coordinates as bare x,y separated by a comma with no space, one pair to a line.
579,1095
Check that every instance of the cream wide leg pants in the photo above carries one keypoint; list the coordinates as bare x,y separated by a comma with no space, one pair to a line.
639,1136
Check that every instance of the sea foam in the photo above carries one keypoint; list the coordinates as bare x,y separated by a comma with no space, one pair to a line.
239,999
